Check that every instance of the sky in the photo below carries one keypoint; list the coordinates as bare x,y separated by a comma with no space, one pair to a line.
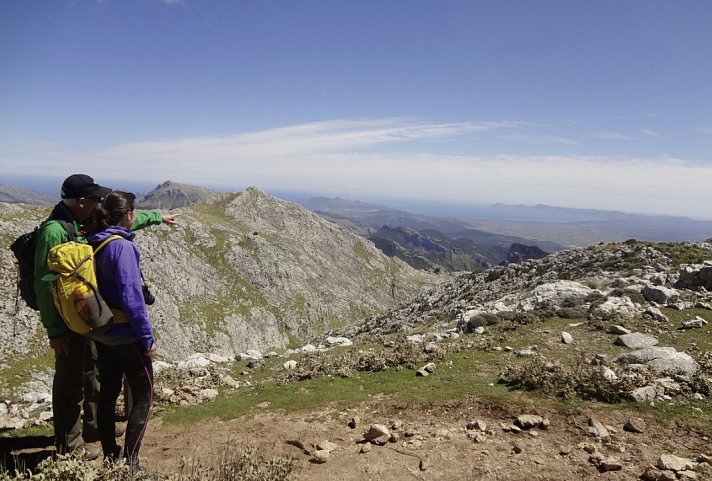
602,105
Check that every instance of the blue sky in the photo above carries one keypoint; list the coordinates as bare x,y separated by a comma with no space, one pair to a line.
604,104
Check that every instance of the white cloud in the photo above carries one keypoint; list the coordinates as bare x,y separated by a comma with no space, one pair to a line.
704,130
350,156
611,136
539,139
650,133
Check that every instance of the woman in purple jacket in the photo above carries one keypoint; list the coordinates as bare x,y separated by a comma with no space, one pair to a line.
127,347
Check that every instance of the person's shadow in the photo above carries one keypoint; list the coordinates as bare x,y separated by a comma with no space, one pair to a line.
20,454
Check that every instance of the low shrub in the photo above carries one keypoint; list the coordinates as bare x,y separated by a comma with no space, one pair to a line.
582,378
481,320
233,464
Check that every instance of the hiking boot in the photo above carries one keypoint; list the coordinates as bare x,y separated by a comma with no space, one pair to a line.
87,453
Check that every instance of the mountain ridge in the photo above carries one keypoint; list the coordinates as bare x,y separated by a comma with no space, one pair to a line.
240,271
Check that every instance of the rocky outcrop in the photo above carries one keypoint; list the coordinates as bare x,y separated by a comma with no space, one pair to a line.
582,282
695,276
519,252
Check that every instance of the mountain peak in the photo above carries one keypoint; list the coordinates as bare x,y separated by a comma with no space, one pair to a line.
171,195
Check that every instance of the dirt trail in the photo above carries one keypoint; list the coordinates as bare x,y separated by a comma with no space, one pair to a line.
433,444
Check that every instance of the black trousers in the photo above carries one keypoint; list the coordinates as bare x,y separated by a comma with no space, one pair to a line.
115,362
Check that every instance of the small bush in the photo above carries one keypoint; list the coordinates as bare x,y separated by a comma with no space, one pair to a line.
595,298
401,353
582,379
525,318
571,313
234,464
632,294
481,320
572,302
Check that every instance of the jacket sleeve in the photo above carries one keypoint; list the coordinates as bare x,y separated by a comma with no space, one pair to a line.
146,218
50,234
128,281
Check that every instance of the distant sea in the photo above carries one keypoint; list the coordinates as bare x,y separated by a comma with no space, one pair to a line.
50,185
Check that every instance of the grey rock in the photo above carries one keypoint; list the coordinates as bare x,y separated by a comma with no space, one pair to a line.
619,330
693,276
643,356
338,341
528,352
661,360
326,446
554,294
635,425
609,464
193,362
510,428
320,456
636,340
671,462
597,429
655,314
7,422
616,307
208,394
696,323
679,362
644,394
426,370
528,421
659,294
686,475
566,338
228,380
478,425
377,434
159,366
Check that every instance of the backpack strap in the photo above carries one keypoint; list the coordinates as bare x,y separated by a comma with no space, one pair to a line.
68,227
106,241
119,316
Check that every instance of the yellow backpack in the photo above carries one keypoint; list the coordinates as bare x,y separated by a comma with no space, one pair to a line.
74,287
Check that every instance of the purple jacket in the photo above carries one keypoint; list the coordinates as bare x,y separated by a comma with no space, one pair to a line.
119,278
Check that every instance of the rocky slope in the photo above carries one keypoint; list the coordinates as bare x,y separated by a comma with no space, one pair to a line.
240,271
611,281
173,195
16,195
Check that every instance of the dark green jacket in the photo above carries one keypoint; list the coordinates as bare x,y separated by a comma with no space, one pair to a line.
51,234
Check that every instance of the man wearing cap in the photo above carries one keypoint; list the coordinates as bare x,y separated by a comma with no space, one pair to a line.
75,376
